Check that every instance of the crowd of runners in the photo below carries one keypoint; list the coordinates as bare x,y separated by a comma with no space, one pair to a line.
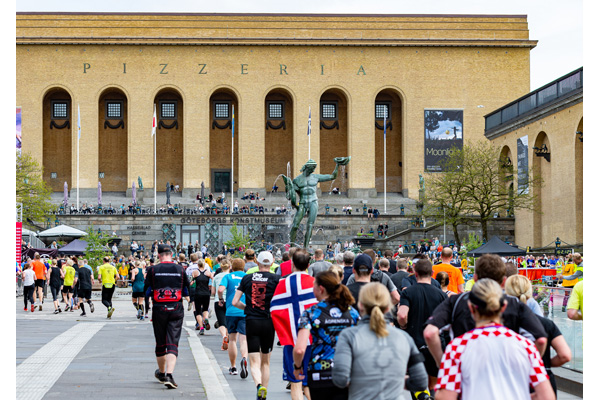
363,326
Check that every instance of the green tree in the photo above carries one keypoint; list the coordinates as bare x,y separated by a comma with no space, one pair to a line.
97,247
238,241
32,192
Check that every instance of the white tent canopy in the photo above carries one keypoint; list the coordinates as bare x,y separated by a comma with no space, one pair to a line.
62,231
27,232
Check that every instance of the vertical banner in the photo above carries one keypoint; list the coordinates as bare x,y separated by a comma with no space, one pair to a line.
19,240
523,164
443,131
19,130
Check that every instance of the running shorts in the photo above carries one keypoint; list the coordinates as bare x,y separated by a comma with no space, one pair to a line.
39,283
201,303
55,290
85,294
167,321
236,325
137,295
220,313
288,364
67,289
430,365
260,335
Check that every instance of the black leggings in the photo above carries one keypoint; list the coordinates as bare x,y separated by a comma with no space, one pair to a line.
107,294
28,294
55,292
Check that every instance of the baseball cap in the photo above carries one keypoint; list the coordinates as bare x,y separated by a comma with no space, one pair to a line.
164,248
363,263
265,258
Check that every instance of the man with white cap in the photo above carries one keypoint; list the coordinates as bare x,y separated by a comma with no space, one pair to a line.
259,288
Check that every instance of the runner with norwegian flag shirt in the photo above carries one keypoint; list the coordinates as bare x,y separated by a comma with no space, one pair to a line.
293,295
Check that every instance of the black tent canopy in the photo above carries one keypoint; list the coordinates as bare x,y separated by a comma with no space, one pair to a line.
75,248
496,246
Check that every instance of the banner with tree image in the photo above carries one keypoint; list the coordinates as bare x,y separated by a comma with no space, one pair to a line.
443,132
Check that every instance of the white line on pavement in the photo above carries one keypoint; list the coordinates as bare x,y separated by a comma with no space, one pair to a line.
38,373
212,378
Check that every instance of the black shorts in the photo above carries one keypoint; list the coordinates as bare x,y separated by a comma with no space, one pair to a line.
430,365
201,303
67,289
55,290
260,335
220,313
137,295
39,283
167,321
85,294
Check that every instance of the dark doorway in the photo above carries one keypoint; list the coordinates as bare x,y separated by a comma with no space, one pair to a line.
221,181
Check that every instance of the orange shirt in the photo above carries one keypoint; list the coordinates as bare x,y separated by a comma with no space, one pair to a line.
456,277
39,269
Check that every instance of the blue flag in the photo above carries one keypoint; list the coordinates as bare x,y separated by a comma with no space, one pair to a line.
308,120
232,120
384,122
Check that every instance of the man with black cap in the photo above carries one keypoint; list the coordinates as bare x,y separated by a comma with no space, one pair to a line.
362,269
169,285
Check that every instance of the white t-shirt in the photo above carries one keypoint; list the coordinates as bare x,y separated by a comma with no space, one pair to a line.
491,362
28,277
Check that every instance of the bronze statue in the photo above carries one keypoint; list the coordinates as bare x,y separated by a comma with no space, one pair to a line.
140,183
305,186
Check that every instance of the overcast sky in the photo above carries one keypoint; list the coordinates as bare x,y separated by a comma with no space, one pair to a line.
557,25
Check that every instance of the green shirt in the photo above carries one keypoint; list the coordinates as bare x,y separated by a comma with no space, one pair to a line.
255,269
107,274
69,276
576,298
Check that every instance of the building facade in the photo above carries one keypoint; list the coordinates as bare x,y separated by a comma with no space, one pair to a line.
541,133
243,85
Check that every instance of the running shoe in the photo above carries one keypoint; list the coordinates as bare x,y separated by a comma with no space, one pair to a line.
55,311
288,386
83,314
66,308
206,324
146,316
197,326
190,306
25,309
160,376
225,344
216,325
244,370
92,307
32,308
71,309
261,392
110,312
201,332
59,310
170,382
40,308
233,371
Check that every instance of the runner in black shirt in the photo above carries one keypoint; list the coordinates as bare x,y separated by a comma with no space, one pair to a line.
454,312
84,280
416,306
259,289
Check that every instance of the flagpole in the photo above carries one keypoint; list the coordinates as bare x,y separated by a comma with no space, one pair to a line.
78,137
232,135
385,163
154,136
309,122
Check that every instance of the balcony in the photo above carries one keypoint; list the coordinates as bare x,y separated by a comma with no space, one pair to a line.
530,103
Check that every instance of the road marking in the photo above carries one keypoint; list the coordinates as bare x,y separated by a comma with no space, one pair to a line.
212,378
38,373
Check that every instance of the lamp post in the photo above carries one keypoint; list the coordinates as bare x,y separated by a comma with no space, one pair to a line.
444,208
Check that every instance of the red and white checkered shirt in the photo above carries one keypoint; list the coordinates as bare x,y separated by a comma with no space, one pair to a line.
491,362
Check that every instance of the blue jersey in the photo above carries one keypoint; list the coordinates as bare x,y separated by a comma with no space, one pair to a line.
231,282
325,322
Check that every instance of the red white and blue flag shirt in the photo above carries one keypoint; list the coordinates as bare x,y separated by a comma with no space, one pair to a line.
491,362
293,295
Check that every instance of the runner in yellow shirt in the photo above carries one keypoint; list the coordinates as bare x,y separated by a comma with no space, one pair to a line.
67,290
107,275
575,306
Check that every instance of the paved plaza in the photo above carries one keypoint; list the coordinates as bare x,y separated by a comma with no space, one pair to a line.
69,356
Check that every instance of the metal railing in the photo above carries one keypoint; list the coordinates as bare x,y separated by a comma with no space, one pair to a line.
557,89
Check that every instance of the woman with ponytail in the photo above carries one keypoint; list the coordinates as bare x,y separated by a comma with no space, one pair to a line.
491,361
324,321
373,357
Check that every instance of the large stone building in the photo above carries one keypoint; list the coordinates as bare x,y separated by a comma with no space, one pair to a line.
541,133
110,69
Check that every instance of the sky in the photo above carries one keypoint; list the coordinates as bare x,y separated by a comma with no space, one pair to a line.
557,25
